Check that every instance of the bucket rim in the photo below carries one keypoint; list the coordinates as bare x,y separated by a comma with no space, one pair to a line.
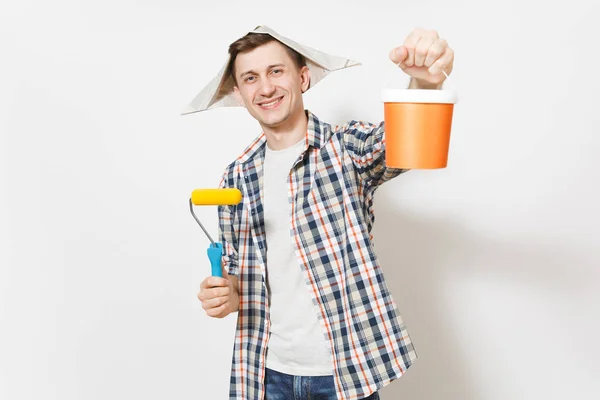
438,96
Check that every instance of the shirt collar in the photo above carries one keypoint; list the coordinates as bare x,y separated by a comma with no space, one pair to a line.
315,137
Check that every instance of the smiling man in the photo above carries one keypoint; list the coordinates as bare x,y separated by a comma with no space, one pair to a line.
315,317
270,81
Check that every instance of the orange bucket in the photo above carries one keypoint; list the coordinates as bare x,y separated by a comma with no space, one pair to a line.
417,127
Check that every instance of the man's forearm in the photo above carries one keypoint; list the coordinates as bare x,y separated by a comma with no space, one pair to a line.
421,84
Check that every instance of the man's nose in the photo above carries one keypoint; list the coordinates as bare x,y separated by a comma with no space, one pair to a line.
266,88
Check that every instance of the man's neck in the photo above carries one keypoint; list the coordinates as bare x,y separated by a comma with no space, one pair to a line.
288,134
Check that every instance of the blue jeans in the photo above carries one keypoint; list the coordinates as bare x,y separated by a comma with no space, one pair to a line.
280,386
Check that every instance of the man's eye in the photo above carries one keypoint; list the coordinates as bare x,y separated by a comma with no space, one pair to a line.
248,79
276,71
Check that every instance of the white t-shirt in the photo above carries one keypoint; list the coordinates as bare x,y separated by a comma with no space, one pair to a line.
297,345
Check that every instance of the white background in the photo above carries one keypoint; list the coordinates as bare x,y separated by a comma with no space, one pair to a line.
493,261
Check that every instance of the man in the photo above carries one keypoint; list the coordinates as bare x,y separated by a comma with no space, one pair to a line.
315,317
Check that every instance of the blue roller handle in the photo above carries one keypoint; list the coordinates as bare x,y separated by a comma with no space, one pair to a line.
215,252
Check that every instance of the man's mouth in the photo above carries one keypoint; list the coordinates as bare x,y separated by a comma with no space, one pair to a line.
267,105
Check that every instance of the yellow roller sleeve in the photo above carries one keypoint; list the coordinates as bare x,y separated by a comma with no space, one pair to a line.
216,197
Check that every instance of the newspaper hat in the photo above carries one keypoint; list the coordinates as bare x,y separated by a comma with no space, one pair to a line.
219,91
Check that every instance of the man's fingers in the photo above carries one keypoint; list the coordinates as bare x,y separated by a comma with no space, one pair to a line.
218,292
437,48
421,51
214,303
417,44
225,272
398,55
217,312
211,293
411,43
443,62
213,281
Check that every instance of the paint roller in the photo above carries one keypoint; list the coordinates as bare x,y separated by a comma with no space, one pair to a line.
214,197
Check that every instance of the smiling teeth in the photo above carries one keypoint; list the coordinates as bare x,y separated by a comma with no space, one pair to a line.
270,104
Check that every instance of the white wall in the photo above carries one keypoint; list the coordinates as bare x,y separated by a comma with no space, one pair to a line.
493,261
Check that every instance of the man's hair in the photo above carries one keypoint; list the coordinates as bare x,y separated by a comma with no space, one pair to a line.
250,42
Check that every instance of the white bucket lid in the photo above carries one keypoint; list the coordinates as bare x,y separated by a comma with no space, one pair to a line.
419,96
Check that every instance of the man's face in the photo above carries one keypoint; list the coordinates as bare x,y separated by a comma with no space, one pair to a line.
269,84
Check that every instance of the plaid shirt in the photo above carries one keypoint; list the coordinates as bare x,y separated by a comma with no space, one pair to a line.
330,191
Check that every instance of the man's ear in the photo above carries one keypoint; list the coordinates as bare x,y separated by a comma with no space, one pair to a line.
305,78
238,96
